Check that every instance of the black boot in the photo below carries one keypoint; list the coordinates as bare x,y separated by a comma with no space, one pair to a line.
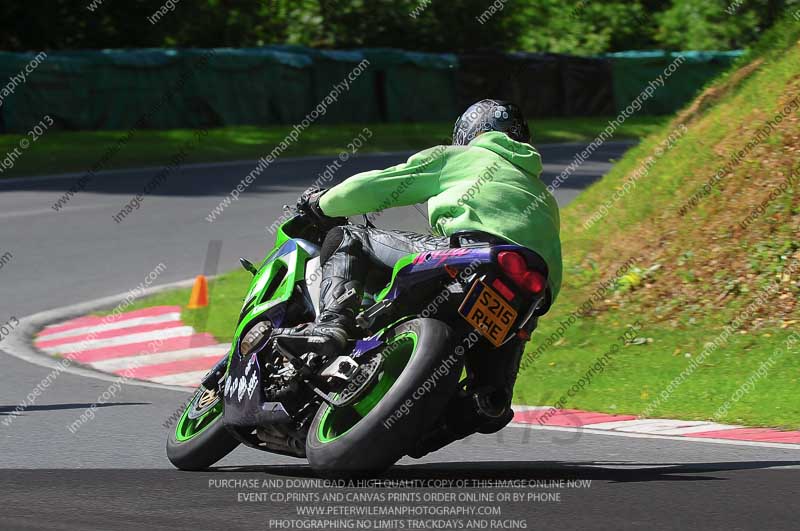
329,335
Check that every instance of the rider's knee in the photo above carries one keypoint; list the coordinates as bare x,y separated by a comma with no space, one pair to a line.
333,240
344,238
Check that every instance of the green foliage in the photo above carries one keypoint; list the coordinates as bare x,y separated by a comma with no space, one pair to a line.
69,24
781,36
578,26
589,27
708,25
415,24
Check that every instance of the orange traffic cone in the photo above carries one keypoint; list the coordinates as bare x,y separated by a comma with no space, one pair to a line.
199,296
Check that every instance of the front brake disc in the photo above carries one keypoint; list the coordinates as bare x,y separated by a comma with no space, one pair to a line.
204,401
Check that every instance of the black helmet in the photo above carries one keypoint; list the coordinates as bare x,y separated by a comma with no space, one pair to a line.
491,115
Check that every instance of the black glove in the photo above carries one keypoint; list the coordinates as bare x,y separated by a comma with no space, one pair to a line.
308,204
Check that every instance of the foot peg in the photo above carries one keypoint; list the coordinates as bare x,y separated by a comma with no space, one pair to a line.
347,299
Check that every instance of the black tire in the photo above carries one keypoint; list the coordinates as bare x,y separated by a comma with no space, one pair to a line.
368,448
204,449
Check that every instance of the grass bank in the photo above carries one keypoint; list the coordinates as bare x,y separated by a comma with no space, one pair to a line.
707,214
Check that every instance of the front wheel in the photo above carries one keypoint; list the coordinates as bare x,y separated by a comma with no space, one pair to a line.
420,373
200,439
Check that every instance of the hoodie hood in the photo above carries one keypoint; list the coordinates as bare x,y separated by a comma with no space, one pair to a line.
522,155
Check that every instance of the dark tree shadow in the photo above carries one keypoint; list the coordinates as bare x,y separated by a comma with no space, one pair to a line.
11,410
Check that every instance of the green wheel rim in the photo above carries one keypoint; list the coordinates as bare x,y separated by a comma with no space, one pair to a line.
188,429
337,422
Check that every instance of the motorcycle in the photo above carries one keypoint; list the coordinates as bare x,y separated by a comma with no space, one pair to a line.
421,334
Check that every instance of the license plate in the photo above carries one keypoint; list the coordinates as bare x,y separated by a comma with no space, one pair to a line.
488,312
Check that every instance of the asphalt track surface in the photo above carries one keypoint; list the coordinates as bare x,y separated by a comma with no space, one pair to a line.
112,473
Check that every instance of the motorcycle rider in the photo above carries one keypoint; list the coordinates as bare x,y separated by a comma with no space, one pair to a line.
487,183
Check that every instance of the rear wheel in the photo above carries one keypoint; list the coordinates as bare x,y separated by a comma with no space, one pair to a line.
419,375
200,439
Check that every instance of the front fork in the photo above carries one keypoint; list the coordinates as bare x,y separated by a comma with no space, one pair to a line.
214,378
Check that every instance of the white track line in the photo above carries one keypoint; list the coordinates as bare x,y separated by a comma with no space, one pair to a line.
662,426
589,430
20,342
118,364
142,337
118,325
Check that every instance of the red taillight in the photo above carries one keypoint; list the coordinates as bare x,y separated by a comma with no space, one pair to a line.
514,265
533,281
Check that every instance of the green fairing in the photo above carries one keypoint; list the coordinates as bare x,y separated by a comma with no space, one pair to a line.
295,263
403,262
280,238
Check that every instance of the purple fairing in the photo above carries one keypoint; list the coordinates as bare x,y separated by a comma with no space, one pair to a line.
364,346
430,264
276,315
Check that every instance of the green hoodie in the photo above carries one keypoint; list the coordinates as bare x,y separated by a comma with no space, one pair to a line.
490,185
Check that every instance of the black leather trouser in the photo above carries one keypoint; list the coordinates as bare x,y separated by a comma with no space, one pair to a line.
351,252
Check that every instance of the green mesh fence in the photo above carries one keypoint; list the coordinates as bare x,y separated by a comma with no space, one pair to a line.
165,88
414,87
633,71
